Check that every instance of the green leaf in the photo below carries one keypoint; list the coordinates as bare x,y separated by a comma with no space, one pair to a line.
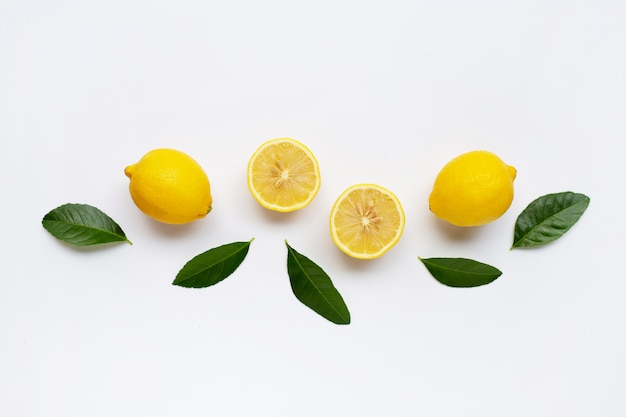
461,272
82,225
548,218
212,266
314,288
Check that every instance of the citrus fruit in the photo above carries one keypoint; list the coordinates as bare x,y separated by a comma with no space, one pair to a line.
473,189
283,175
170,186
366,221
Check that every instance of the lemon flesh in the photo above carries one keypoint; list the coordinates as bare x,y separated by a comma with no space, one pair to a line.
366,221
473,189
283,175
170,186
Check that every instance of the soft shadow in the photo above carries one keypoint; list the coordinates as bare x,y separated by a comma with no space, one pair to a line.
456,233
277,217
171,230
100,247
353,264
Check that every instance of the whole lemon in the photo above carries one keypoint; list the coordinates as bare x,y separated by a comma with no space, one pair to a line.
473,189
170,186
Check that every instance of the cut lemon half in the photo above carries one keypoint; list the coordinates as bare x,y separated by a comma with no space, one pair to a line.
283,175
366,221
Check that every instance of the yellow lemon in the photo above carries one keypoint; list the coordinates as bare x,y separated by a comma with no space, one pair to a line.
366,221
170,186
473,189
283,175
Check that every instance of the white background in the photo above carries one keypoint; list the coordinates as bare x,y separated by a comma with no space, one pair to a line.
381,91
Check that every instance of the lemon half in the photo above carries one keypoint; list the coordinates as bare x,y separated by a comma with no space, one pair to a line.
366,221
283,175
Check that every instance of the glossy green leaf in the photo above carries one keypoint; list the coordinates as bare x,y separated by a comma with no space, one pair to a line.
548,218
82,225
461,272
212,266
314,288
